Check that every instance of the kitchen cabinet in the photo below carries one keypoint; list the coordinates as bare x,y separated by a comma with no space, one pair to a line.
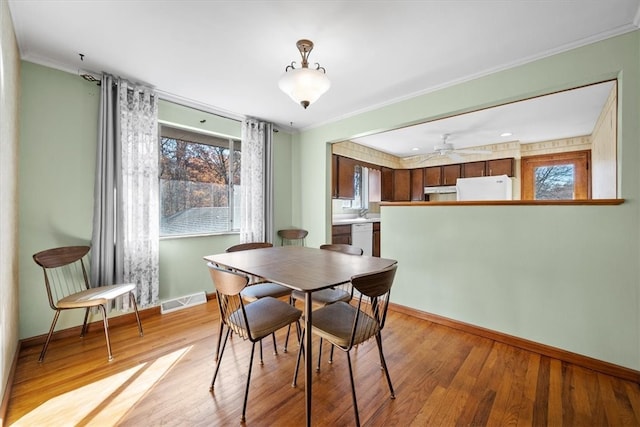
401,185
500,167
343,182
450,174
473,169
341,234
433,176
376,239
387,184
417,185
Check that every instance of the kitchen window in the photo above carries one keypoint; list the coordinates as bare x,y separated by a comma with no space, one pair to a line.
561,176
199,183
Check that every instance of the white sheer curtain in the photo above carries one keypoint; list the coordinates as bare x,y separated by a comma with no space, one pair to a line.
125,241
140,229
256,208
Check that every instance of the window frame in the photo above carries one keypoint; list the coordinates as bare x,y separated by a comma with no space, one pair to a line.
235,144
579,159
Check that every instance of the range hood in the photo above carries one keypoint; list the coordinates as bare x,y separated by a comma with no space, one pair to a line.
440,190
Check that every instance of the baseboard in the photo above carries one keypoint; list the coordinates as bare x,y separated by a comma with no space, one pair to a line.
7,391
113,321
545,350
75,330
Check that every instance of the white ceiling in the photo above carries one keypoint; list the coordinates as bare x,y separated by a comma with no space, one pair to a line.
560,115
229,55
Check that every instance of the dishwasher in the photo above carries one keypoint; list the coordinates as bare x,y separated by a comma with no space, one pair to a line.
362,237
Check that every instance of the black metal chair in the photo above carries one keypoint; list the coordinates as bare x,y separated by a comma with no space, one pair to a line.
252,321
346,325
293,236
325,297
259,288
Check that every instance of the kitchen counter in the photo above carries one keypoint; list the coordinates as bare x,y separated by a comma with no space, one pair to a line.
341,220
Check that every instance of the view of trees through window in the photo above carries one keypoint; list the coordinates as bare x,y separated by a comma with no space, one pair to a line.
554,182
199,183
556,176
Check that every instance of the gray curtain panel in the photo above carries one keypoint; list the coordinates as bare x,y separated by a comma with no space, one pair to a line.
105,267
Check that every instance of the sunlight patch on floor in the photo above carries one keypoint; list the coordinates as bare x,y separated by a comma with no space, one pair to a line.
104,402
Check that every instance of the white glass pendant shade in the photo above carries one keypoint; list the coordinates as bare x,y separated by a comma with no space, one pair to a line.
304,85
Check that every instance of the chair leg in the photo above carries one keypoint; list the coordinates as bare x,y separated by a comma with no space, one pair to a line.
106,329
353,391
84,324
46,343
275,348
384,364
261,361
132,297
319,355
219,340
286,339
246,392
300,351
292,301
219,361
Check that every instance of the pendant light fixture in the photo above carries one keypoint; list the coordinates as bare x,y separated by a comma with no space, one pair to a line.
304,85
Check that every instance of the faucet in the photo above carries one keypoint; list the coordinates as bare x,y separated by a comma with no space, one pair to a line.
363,213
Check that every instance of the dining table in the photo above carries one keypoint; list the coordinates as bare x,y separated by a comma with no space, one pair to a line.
303,269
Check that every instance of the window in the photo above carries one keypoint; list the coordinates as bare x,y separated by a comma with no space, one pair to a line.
199,183
562,176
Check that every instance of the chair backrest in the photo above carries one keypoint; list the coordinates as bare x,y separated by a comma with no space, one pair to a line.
292,236
248,246
344,248
373,300
228,285
64,271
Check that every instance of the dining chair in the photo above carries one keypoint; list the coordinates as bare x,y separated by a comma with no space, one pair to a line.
331,295
346,325
292,236
252,321
67,285
259,288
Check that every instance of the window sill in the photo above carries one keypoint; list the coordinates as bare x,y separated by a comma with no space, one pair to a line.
191,236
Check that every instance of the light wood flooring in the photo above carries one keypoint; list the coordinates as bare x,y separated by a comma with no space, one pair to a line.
442,377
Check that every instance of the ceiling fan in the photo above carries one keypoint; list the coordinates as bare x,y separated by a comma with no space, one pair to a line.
447,149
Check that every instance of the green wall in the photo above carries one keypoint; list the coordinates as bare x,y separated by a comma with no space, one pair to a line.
59,122
58,134
9,127
565,276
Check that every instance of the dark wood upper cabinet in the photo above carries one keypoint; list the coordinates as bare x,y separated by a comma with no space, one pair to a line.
473,169
433,176
500,167
401,185
346,171
450,174
387,184
417,185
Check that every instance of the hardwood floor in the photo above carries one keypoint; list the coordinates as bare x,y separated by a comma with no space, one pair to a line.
441,377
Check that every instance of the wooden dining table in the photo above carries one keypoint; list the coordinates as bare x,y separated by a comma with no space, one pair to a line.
304,269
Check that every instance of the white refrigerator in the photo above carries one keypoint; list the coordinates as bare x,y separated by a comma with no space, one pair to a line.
498,187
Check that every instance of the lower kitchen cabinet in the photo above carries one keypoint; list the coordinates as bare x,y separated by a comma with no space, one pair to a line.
376,239
341,234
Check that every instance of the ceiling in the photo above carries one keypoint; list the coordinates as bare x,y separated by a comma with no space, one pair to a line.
555,116
227,56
